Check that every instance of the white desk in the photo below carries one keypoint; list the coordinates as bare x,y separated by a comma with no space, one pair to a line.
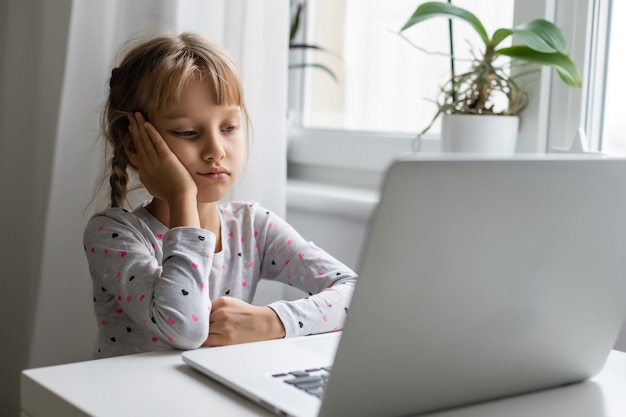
159,384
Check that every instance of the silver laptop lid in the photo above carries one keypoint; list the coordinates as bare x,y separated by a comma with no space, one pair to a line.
483,278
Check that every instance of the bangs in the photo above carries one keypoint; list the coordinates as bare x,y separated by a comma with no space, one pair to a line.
168,81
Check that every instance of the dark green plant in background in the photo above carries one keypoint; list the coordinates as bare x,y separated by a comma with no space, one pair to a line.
297,9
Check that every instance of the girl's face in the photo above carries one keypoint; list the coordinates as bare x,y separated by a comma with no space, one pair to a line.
207,138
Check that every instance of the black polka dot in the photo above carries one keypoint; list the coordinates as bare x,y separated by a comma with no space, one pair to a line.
128,329
114,235
132,277
113,340
273,262
227,292
185,292
153,320
301,324
201,238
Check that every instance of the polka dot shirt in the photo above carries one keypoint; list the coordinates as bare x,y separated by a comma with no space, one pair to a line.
153,286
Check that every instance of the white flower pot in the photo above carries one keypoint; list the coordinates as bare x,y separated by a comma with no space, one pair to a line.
484,134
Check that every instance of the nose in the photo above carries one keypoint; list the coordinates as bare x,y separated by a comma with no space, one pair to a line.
213,147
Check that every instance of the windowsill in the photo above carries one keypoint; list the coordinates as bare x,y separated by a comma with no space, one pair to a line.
368,151
355,203
340,172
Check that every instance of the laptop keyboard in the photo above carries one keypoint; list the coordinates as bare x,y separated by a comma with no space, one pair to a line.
312,381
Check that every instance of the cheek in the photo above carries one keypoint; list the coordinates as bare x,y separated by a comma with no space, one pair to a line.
184,151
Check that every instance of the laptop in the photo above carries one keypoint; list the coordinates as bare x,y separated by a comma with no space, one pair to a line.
479,279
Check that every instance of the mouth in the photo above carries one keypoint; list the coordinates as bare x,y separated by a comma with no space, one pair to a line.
215,173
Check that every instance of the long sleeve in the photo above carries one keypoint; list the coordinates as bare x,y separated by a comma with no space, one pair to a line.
150,289
277,252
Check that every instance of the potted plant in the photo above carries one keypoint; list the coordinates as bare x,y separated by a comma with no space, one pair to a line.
468,97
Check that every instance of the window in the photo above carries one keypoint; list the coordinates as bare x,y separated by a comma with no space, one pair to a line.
353,127
612,133
383,82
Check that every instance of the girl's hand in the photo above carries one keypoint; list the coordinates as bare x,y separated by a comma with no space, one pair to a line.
234,321
160,170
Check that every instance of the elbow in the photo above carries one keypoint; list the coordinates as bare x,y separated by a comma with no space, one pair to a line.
184,334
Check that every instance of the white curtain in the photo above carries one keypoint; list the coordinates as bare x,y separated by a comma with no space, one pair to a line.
56,58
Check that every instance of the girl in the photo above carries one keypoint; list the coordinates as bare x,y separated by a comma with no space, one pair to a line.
180,271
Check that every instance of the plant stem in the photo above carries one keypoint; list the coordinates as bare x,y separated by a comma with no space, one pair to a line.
451,57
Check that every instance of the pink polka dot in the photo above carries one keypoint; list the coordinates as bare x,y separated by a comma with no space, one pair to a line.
230,234
202,285
118,275
324,318
194,317
289,277
244,283
154,340
119,311
100,229
289,242
271,225
301,256
243,239
319,274
104,323
169,339
250,265
195,265
256,233
336,328
123,254
129,298
142,296
171,321
119,298
169,238
287,263
106,251
223,266
93,250
159,235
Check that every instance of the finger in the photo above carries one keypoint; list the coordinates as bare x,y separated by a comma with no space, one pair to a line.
135,134
157,140
147,140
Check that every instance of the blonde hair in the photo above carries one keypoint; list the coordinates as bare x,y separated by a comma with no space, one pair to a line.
153,73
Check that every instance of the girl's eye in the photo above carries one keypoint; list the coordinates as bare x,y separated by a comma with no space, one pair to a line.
185,133
228,129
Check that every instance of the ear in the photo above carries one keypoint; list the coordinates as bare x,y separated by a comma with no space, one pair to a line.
129,148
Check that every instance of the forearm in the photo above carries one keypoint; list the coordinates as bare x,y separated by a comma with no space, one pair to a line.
319,313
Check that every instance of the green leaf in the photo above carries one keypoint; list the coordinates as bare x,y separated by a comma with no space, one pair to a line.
541,35
436,9
563,65
500,35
